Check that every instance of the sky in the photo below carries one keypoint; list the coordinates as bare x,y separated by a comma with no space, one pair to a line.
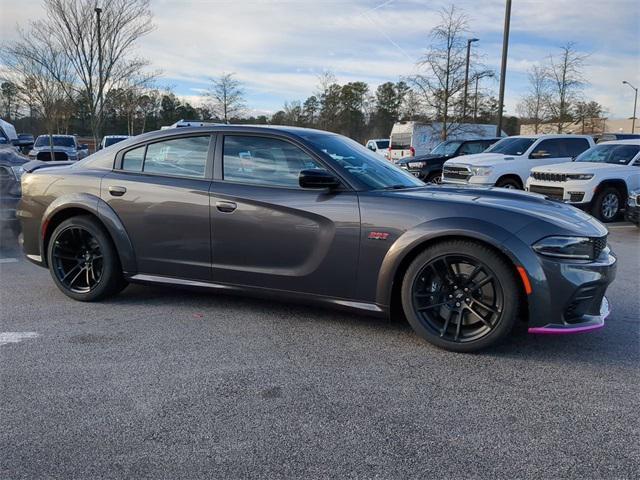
277,48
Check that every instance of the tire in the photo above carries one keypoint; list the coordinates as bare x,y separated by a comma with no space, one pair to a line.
607,204
435,178
83,261
434,307
510,183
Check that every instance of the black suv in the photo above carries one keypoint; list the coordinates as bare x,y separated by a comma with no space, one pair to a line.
429,167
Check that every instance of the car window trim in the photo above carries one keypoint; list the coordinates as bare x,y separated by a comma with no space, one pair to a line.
208,168
218,174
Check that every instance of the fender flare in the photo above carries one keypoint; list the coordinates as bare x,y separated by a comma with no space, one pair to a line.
94,205
518,252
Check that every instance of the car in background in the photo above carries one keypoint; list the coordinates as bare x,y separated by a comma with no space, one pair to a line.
608,137
188,123
507,163
379,146
8,133
25,142
429,167
109,140
295,213
58,148
10,174
598,181
632,212
411,139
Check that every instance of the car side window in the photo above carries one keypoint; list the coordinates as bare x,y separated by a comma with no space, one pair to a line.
552,148
264,161
470,148
185,157
575,146
133,159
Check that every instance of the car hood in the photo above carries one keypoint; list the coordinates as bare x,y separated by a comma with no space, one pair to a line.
532,207
579,167
55,148
423,158
480,159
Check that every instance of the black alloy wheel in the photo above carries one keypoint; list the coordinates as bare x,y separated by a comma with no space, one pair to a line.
77,259
83,261
460,296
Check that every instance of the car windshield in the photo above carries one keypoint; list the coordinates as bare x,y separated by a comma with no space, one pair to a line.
112,140
382,143
446,148
616,154
368,167
58,141
512,146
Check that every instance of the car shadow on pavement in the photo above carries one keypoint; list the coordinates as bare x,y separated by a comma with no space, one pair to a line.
607,346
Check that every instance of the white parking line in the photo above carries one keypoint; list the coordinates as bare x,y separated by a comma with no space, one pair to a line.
8,260
15,337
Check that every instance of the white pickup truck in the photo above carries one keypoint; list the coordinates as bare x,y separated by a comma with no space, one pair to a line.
508,162
599,180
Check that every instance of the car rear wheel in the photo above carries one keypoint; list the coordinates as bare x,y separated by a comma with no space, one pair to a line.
83,261
607,204
460,296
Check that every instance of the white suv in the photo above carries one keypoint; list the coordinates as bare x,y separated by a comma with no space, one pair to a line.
599,180
508,162
379,146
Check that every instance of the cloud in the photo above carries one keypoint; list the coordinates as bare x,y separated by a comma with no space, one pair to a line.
278,47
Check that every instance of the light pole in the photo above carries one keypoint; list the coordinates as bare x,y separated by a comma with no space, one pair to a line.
98,11
466,78
635,104
503,67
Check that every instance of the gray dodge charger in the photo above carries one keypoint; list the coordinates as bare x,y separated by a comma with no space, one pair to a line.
307,215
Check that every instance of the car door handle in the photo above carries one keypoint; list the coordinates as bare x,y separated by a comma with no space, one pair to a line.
226,207
117,191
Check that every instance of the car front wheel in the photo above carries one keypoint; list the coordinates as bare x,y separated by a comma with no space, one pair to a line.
461,296
607,204
83,261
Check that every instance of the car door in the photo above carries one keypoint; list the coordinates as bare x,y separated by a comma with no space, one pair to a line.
547,152
269,232
160,192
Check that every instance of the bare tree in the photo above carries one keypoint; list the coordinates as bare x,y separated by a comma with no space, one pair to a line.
444,66
99,67
42,75
534,105
565,73
225,98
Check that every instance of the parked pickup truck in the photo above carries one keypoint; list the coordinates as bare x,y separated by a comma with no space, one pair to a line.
599,180
508,163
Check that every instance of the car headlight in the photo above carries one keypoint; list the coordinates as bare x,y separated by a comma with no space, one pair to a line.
579,176
581,248
18,171
417,164
481,171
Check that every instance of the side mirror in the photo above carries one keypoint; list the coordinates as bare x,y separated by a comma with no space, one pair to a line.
316,178
540,154
370,147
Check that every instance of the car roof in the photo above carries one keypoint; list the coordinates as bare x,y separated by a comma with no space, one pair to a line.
552,135
57,135
627,141
293,131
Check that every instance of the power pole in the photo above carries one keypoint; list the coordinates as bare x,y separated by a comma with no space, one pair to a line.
466,79
503,67
635,104
98,11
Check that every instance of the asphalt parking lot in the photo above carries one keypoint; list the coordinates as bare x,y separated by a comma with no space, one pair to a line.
164,383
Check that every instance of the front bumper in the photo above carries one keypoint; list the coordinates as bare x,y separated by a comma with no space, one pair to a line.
588,323
574,292
632,214
577,193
